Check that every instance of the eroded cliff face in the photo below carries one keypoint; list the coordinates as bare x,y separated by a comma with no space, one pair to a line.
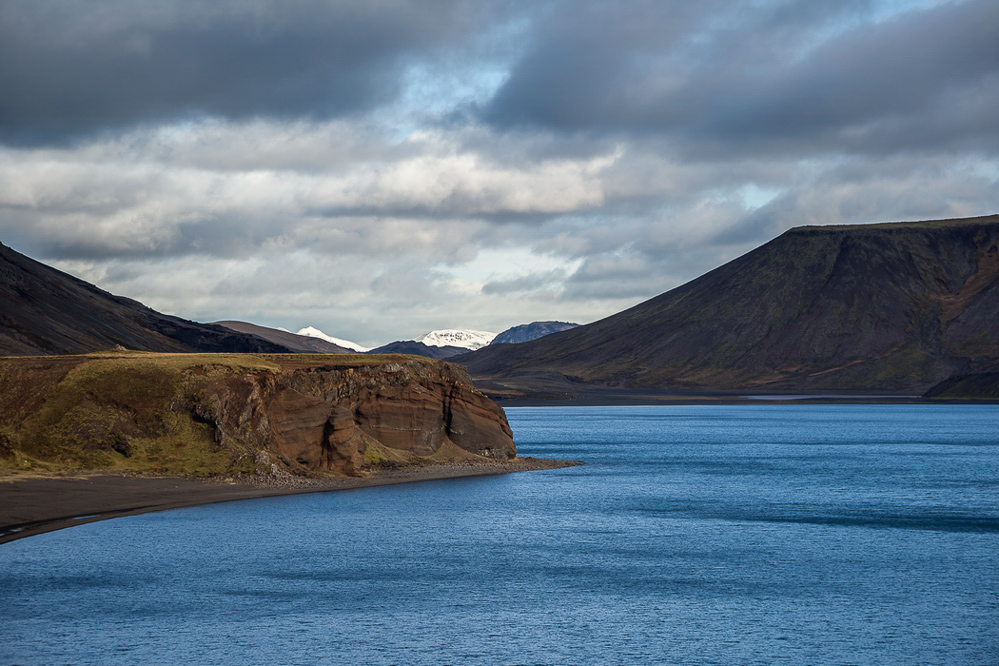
348,418
227,414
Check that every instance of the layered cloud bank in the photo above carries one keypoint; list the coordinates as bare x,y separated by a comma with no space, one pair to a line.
382,169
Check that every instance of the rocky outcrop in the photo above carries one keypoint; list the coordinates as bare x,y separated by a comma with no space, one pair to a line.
269,414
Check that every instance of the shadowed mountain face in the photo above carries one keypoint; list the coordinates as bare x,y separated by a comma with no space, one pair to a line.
415,348
299,343
532,331
889,307
45,311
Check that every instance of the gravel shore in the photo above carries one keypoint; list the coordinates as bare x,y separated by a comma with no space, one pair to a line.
31,505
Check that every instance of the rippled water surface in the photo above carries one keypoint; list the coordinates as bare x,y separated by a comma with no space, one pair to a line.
698,534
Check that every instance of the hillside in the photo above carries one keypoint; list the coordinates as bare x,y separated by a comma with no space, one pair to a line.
881,307
977,386
532,331
418,349
46,311
299,343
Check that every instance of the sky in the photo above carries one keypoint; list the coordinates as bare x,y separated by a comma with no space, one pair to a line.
382,168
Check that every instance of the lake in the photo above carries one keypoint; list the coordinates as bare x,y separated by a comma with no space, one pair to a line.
756,534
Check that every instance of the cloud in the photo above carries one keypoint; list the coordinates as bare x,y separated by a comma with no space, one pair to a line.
379,169
71,69
795,76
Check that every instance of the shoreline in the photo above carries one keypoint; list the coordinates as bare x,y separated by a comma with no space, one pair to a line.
32,505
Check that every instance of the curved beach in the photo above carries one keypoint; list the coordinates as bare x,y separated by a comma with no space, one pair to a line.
31,505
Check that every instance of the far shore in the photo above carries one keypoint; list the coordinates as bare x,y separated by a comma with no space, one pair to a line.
612,398
36,504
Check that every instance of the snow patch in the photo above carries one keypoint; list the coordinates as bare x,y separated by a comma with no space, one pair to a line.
453,337
313,332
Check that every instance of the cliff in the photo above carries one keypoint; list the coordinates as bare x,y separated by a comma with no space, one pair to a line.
881,307
228,414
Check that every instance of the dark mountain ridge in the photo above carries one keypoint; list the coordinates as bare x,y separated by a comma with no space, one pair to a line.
304,344
880,307
45,311
414,348
532,331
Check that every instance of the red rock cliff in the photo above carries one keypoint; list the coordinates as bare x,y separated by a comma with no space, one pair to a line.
344,417
223,414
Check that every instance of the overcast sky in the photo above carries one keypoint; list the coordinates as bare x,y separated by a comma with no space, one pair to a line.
379,169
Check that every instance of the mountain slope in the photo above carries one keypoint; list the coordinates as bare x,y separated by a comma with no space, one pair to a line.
867,307
414,348
352,347
46,311
532,331
300,343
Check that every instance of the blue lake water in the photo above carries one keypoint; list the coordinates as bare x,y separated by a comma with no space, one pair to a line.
695,534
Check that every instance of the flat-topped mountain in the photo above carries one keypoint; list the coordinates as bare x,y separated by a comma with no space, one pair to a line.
46,311
880,307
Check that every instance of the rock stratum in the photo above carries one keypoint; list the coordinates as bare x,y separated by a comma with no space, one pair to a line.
243,415
882,307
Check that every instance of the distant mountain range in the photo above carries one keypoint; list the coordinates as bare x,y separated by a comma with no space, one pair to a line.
313,332
873,308
44,311
448,343
306,344
453,337
532,331
419,349
880,307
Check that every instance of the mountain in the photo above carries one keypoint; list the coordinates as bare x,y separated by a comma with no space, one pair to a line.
299,343
879,307
313,332
532,331
976,386
415,348
451,337
45,311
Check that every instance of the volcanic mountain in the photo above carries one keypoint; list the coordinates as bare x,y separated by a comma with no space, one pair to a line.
45,311
880,307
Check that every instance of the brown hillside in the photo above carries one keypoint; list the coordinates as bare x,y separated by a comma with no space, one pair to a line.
884,307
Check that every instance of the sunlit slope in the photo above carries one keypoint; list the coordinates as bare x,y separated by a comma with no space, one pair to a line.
869,307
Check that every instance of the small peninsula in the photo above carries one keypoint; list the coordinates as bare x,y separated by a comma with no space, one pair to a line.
249,424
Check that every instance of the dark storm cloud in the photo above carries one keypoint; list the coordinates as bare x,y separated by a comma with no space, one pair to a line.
379,168
69,68
739,75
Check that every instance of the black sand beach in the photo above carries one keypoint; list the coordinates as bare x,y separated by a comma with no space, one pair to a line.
31,505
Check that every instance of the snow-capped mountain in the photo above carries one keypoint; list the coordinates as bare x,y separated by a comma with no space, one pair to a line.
532,331
314,332
452,337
